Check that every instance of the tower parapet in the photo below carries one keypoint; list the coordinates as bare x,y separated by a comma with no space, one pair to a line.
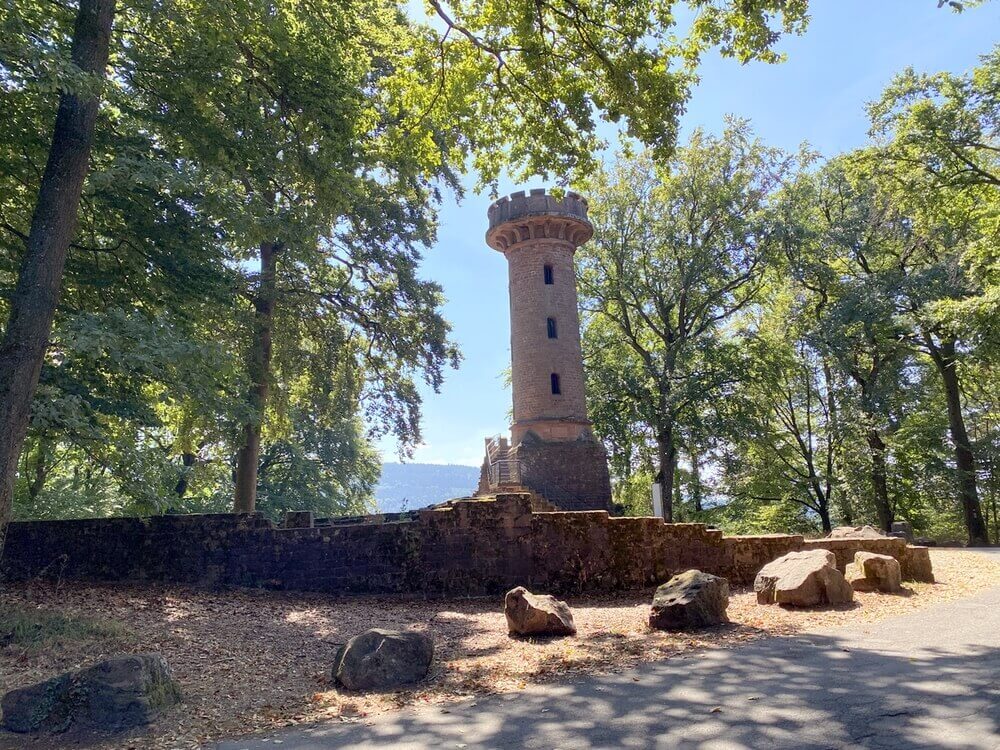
538,215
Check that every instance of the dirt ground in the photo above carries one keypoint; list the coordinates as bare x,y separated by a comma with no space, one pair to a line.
249,661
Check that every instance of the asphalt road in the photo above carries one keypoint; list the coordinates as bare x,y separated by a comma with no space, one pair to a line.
930,679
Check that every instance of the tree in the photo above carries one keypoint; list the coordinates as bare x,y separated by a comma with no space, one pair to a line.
789,443
680,248
53,223
939,166
838,229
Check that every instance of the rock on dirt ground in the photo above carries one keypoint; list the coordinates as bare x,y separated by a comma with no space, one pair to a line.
803,579
110,696
873,572
690,600
383,659
536,614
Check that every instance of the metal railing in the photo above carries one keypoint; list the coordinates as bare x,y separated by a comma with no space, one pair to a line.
505,471
496,448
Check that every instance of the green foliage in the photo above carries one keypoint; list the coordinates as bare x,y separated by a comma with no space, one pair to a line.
632,493
680,248
756,517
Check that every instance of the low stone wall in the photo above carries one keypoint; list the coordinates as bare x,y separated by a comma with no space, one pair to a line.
467,548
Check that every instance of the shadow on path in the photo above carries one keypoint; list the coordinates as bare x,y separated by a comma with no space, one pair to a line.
926,680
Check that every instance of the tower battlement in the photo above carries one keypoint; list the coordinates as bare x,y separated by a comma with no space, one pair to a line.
536,214
536,202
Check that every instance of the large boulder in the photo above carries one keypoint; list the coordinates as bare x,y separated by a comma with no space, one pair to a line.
689,600
536,614
872,572
803,579
111,696
856,532
383,659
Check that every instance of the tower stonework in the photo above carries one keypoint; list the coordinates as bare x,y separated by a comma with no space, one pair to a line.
552,448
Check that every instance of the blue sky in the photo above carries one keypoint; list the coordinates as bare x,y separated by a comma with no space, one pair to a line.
849,53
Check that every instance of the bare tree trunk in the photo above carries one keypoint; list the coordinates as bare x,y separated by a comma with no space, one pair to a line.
667,454
187,461
883,509
843,499
696,488
259,369
944,358
53,224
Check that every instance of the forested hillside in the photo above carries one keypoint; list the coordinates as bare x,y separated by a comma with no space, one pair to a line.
410,486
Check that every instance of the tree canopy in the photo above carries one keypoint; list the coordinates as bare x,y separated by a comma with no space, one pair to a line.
857,354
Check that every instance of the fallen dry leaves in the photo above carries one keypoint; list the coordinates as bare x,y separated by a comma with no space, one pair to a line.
250,661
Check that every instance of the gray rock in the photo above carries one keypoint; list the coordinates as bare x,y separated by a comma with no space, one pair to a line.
536,614
904,528
383,659
690,600
111,696
803,579
872,572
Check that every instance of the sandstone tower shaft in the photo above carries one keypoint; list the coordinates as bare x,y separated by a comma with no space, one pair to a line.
538,235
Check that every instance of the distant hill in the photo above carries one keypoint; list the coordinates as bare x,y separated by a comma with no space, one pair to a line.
410,486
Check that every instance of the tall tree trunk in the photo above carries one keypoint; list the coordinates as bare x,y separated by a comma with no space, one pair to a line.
944,357
53,224
187,460
822,497
824,517
40,473
696,489
259,370
883,510
667,454
843,498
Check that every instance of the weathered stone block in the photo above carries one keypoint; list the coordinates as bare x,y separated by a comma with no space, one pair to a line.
690,600
536,614
916,564
872,572
803,579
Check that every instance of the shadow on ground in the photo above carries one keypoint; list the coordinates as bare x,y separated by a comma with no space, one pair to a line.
887,690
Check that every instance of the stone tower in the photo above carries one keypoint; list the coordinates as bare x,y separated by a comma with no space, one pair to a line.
552,449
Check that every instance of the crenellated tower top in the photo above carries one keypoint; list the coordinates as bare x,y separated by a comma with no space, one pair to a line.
537,215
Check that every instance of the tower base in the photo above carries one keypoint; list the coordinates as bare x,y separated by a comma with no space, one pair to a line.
572,475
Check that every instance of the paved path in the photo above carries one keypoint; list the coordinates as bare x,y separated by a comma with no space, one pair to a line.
930,679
